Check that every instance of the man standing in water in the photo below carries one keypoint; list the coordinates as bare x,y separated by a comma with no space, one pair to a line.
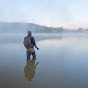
29,43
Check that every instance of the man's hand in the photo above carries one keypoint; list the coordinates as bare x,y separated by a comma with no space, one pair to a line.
37,47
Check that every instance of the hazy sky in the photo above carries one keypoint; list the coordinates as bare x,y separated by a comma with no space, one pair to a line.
56,13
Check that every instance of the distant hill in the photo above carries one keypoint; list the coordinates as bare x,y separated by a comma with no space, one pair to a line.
19,27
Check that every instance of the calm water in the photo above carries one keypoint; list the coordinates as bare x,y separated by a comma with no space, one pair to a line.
62,62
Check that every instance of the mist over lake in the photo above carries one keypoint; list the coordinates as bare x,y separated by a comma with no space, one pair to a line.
56,55
62,61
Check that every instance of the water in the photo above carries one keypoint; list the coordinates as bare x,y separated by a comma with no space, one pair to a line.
62,62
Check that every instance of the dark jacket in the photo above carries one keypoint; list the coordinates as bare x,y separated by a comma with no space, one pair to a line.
32,41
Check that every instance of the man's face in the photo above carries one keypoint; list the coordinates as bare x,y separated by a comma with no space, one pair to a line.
29,33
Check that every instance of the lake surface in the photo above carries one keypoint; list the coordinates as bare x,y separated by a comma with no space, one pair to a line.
62,62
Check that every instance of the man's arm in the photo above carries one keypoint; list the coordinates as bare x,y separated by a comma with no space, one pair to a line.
37,47
33,42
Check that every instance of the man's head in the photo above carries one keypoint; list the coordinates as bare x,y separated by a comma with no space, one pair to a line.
29,33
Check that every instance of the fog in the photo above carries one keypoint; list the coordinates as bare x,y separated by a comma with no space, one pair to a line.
7,38
20,27
62,59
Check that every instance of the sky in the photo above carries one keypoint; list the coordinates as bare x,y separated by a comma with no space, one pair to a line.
70,14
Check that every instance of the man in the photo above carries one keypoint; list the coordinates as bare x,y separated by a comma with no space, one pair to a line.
29,43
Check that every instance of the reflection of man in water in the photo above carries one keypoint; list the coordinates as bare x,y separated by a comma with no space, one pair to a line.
29,69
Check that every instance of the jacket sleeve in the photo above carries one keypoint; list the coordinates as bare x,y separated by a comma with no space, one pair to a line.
33,41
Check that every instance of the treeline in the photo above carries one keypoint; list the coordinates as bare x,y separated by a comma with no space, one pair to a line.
18,27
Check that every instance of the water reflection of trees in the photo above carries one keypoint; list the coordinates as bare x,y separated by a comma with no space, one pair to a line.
51,37
29,69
